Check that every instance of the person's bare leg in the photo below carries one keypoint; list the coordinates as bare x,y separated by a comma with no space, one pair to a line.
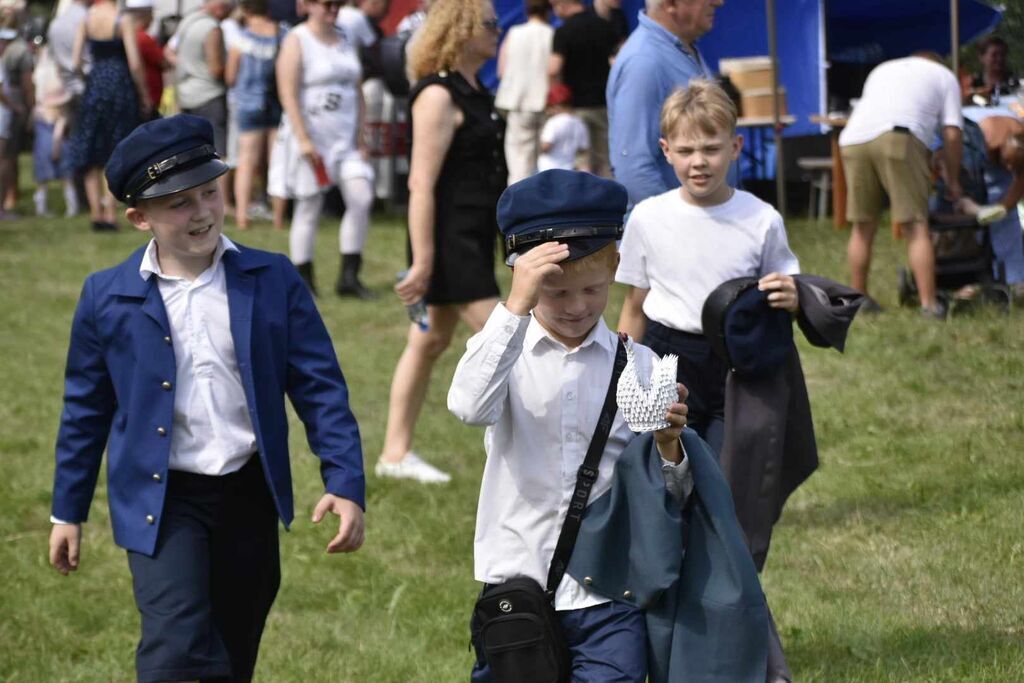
108,202
249,145
921,256
412,375
858,253
93,182
476,313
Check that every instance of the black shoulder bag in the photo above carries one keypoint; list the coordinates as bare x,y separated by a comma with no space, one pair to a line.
514,623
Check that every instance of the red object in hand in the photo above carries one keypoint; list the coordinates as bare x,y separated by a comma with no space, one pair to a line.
321,173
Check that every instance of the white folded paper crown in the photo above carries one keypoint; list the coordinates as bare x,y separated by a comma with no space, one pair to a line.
644,405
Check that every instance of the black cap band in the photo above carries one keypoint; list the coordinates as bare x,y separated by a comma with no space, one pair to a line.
531,239
154,172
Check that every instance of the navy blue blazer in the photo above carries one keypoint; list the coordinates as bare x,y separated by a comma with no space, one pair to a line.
707,619
121,353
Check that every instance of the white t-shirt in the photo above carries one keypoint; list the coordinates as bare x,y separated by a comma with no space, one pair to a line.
567,136
912,92
682,252
355,27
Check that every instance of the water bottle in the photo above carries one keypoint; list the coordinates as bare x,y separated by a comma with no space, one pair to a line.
417,311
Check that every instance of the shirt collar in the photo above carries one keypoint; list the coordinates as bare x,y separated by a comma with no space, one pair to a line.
150,265
663,33
600,334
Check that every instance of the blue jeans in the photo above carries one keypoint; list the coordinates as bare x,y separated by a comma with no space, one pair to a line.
608,644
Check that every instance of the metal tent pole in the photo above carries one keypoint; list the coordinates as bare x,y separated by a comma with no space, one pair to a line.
773,49
954,34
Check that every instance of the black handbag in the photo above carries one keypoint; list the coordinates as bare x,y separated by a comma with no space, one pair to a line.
514,624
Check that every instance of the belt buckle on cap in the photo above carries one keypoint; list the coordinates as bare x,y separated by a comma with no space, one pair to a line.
153,172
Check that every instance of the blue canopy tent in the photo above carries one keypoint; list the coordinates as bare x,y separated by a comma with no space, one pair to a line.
813,32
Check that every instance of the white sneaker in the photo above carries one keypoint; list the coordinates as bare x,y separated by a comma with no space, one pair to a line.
414,467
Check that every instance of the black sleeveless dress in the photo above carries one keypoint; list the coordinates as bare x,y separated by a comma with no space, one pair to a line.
466,195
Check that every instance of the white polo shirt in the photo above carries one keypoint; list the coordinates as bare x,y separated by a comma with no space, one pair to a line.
682,252
913,92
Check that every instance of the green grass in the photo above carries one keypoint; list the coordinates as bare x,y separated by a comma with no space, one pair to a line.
900,560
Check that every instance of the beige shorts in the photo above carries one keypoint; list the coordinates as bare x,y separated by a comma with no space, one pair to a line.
896,164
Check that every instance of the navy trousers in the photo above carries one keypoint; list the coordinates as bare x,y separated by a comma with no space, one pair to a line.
205,593
703,374
608,644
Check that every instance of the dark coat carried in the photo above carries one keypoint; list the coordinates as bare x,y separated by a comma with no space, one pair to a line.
707,620
769,447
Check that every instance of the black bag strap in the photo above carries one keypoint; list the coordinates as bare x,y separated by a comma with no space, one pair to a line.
586,476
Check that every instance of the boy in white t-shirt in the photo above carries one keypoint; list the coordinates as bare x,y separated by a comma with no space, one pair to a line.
564,140
680,245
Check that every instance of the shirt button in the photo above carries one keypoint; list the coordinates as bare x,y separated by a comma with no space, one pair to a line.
150,519
569,396
156,476
167,340
161,431
166,385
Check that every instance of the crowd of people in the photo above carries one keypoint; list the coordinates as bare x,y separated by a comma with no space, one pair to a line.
600,154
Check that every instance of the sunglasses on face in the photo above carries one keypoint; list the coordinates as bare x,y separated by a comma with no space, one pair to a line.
490,24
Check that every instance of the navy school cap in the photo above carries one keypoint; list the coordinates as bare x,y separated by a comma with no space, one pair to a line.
752,338
162,157
578,209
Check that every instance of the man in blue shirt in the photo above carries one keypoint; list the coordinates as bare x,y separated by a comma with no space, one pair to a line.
660,56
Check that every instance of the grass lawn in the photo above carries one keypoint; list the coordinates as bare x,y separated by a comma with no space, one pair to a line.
900,560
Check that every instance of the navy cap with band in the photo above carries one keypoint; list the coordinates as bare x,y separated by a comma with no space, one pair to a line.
162,157
578,209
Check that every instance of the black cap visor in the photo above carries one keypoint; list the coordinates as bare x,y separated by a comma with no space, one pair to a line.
184,179
582,241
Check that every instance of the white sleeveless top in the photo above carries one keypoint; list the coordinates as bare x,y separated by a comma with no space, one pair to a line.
328,97
524,85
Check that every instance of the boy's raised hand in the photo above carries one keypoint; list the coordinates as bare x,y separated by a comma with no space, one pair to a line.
667,439
350,528
528,275
65,540
781,291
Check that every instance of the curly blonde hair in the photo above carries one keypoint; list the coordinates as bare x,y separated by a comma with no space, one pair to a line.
450,25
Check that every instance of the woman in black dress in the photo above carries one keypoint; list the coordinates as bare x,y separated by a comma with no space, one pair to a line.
456,175
114,102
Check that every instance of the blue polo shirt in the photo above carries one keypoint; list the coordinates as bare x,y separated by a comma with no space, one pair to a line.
651,64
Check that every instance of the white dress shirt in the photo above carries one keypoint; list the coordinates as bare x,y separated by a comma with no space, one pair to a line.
540,402
212,433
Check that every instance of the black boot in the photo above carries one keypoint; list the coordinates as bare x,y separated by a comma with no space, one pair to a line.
306,273
348,279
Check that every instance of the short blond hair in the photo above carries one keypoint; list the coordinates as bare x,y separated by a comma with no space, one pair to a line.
702,105
605,258
449,26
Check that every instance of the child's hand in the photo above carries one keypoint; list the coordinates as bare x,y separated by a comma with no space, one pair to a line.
350,528
782,291
65,540
667,439
528,275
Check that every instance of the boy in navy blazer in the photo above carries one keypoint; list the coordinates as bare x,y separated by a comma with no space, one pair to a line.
179,362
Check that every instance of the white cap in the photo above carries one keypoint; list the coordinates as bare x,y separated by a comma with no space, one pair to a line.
138,4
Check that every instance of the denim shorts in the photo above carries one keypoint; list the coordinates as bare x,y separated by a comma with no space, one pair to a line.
249,120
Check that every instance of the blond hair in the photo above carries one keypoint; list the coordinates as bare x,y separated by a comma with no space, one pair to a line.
605,258
449,26
703,105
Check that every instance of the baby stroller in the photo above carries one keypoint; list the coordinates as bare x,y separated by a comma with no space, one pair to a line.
963,247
